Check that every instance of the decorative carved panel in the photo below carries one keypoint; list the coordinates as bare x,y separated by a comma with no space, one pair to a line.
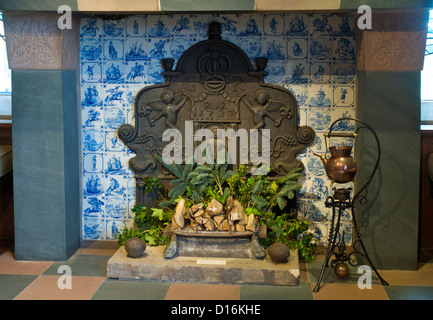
35,42
396,42
214,86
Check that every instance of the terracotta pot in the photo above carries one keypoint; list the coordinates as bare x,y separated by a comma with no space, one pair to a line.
135,247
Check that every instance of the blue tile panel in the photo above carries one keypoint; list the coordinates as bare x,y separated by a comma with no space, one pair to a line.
313,55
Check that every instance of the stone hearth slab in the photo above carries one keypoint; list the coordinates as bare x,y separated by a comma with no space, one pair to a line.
152,266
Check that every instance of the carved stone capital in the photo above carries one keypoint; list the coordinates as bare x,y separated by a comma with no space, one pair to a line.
396,42
34,42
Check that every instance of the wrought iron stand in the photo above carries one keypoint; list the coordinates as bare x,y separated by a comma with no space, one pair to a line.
339,202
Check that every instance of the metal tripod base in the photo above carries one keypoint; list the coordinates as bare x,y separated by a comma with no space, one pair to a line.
341,201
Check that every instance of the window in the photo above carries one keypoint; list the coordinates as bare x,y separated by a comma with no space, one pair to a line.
427,81
5,80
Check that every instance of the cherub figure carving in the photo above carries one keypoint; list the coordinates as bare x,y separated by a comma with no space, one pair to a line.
262,107
168,107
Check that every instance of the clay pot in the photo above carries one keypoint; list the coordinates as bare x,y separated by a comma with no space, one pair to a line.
341,270
135,247
279,252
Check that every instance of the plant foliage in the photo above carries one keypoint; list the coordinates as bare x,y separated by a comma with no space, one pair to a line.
260,195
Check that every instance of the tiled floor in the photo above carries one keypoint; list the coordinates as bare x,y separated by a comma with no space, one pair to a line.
25,280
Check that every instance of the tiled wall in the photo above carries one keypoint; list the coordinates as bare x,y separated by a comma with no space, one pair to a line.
310,54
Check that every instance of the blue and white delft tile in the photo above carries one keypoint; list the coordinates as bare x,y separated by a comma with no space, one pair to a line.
199,25
114,95
229,24
321,25
116,207
93,229
320,188
252,46
343,96
135,72
319,118
274,48
344,72
320,96
251,25
136,26
92,163
135,49
344,26
90,49
94,206
297,25
91,117
300,92
157,26
113,72
91,28
343,125
344,49
297,48
91,95
116,184
315,167
114,49
320,72
91,72
273,25
112,142
113,228
297,71
320,49
114,28
276,71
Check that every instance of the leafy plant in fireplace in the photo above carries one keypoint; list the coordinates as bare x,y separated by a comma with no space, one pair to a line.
268,199
200,182
261,195
148,224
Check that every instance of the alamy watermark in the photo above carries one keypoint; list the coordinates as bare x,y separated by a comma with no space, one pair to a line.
253,147
365,20
65,20
65,280
364,281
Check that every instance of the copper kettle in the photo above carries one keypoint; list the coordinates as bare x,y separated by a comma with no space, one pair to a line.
340,166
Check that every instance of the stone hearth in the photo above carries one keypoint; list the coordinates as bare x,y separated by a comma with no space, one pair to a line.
152,266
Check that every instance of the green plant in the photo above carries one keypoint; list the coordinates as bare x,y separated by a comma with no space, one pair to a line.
199,181
148,225
261,195
291,231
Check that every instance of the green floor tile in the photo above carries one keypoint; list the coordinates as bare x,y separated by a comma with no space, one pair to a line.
112,289
263,292
82,265
409,293
12,285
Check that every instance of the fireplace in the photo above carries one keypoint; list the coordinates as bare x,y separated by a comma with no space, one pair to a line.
48,58
214,91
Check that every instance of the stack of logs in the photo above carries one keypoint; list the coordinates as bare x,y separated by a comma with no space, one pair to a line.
215,217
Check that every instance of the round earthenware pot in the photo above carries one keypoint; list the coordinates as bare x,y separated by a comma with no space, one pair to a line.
279,252
135,247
